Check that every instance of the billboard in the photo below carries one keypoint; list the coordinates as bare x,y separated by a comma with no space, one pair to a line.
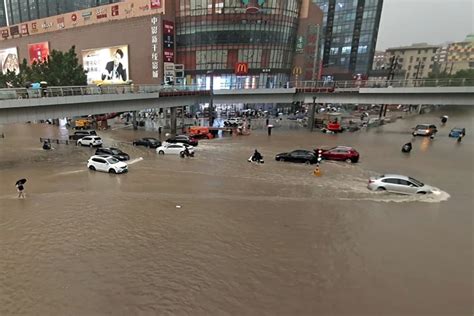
106,65
38,52
9,60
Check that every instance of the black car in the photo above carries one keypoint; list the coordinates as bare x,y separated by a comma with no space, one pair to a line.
184,139
147,142
114,152
302,156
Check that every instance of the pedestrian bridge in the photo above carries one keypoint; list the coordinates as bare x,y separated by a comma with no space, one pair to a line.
21,105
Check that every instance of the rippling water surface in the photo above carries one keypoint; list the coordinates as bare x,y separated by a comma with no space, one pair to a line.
248,240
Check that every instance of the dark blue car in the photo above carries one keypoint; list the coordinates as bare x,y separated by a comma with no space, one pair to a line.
457,131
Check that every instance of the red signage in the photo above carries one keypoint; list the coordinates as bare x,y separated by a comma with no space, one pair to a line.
155,4
24,29
74,17
38,52
168,55
5,33
241,69
115,10
168,28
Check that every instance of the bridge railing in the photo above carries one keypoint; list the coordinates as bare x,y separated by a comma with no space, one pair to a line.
24,93
409,83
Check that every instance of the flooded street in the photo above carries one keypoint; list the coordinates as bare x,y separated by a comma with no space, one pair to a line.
249,239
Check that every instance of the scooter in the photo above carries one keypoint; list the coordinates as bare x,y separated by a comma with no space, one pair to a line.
183,154
255,161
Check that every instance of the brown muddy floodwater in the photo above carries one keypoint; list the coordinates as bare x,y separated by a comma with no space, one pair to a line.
247,240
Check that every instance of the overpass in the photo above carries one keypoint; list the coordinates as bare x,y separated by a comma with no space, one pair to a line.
21,105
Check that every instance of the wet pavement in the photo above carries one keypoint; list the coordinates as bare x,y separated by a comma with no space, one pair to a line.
249,239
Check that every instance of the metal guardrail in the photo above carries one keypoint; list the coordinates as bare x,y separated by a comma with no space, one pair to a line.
24,93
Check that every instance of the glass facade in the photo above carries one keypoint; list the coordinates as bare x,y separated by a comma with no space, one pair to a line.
27,10
350,29
217,34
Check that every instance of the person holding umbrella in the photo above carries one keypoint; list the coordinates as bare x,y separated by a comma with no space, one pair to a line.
20,188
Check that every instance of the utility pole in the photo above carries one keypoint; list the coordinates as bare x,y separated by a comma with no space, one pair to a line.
312,114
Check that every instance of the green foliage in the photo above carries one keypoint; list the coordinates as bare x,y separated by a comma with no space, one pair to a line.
60,69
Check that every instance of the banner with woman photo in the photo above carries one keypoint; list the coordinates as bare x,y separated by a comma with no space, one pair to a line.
9,60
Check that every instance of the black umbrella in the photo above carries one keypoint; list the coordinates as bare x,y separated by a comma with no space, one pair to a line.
21,181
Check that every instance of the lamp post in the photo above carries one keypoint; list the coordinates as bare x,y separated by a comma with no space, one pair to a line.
211,101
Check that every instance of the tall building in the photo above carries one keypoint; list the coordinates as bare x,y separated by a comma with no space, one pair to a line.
26,10
418,60
247,43
350,29
379,61
460,56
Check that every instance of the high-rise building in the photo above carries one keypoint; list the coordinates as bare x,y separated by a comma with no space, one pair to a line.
247,43
418,60
26,10
350,29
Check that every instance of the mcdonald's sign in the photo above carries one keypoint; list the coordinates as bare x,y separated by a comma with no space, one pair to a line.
297,71
241,69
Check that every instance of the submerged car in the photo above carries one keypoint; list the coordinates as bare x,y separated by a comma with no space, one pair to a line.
114,152
300,155
457,132
175,149
147,142
106,163
399,184
424,130
184,139
91,141
340,153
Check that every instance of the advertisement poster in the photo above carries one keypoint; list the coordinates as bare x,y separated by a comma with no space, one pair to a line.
38,52
9,60
106,65
155,4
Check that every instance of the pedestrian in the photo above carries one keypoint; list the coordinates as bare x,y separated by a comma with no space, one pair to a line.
159,130
270,130
20,187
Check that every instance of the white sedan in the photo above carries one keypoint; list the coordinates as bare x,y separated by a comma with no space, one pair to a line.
106,163
173,149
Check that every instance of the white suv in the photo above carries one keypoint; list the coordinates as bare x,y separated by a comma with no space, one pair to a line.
107,163
91,141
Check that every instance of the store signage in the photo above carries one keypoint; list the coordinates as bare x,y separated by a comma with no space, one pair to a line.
60,22
266,70
5,33
241,69
169,72
34,27
38,52
300,44
46,25
253,6
24,29
87,15
100,13
14,30
144,7
155,4
297,70
168,42
115,10
155,60
74,17
9,60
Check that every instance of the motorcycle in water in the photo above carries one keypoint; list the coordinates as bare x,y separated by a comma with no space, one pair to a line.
46,146
255,160
184,154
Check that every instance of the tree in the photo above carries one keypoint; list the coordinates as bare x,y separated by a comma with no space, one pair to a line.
60,69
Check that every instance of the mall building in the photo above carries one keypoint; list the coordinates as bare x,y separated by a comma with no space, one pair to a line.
245,43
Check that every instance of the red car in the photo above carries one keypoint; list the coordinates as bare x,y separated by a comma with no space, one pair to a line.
341,153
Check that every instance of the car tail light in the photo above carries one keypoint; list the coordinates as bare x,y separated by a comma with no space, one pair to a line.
371,181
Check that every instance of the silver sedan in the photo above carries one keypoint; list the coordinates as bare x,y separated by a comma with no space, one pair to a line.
399,184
